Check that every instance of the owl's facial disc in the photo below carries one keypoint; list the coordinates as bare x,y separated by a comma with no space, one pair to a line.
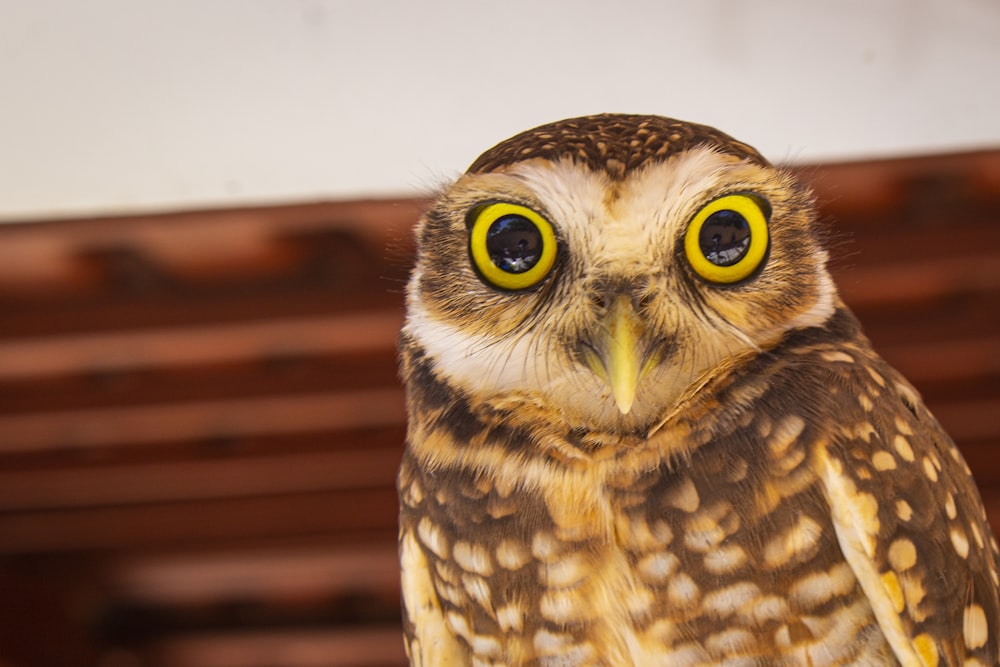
612,303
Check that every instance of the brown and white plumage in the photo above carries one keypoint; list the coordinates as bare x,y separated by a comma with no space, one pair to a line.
626,462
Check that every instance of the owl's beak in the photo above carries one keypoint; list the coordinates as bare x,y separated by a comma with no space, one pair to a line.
616,354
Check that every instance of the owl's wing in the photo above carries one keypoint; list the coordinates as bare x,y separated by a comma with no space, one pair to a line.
912,527
429,642
428,639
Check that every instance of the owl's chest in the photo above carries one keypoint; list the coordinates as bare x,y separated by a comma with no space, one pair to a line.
694,565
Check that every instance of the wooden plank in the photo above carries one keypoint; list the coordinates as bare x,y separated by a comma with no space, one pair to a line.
302,297
971,419
220,522
991,501
353,647
923,184
930,280
955,360
981,455
896,238
199,579
231,477
203,420
45,257
954,318
260,377
117,351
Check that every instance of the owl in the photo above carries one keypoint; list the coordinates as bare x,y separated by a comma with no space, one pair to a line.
645,430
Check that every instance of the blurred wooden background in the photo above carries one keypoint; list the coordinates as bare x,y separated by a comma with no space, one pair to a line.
200,419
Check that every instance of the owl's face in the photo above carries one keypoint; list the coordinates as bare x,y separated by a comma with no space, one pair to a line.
607,288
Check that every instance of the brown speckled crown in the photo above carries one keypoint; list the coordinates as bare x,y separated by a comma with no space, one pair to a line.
613,143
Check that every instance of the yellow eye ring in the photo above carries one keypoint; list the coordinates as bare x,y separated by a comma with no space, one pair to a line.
512,247
727,240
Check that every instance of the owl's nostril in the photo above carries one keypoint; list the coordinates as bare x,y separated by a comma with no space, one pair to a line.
603,293
597,300
642,300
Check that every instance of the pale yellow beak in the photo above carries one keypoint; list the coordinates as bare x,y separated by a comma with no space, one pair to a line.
617,355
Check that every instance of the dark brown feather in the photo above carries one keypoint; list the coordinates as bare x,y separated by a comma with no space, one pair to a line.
612,143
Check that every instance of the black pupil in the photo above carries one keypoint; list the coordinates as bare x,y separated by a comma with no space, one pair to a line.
724,238
514,243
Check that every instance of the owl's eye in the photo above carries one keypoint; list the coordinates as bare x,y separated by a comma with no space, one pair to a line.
512,246
727,240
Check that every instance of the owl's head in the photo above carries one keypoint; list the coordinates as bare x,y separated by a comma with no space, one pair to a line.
607,268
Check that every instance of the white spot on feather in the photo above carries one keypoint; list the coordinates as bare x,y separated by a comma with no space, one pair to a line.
959,541
975,629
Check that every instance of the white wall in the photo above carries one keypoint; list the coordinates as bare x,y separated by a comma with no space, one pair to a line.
113,106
